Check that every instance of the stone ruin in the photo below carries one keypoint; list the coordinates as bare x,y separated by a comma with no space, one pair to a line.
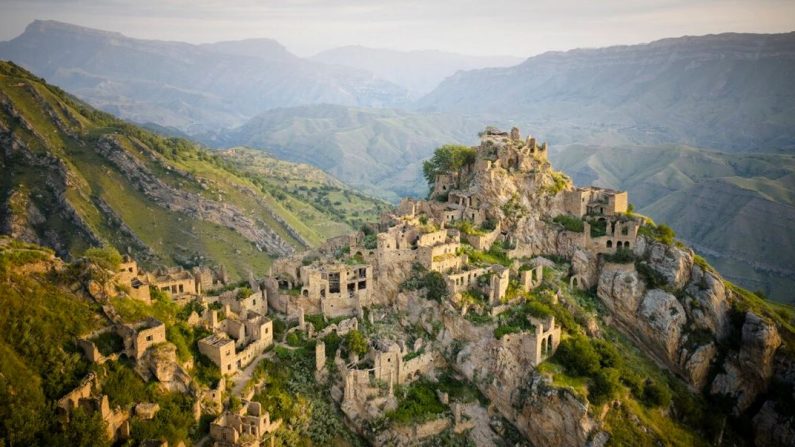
249,426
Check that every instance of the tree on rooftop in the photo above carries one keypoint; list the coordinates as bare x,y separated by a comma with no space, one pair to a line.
448,159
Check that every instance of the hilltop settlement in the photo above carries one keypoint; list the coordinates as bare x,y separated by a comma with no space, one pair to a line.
510,307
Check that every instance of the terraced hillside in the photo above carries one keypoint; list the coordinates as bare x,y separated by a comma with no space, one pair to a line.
74,177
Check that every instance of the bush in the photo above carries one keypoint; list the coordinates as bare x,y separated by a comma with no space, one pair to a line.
604,386
570,223
370,242
106,257
621,256
355,342
578,356
436,286
662,233
656,394
419,404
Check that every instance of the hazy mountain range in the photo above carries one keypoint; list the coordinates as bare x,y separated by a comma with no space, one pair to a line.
674,121
190,87
417,71
732,92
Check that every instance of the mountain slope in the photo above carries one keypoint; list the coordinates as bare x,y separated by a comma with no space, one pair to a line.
380,151
729,92
417,71
190,87
735,209
74,177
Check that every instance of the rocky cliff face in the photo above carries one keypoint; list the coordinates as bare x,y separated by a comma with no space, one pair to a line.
687,317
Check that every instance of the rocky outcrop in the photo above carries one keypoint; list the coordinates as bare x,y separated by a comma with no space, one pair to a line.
620,289
552,416
747,373
662,321
160,363
708,305
672,263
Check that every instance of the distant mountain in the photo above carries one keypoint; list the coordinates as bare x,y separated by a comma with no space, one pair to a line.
733,92
73,177
189,87
380,151
737,210
417,71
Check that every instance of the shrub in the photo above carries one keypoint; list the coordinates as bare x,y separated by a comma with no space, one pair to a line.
578,356
419,404
621,256
570,223
662,233
355,342
656,394
370,242
106,257
604,386
437,287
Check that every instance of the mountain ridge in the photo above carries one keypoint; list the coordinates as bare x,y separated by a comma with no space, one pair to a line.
183,85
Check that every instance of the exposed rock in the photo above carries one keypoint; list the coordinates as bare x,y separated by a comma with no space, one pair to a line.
663,320
748,373
672,263
161,362
621,290
146,410
586,264
698,363
709,307
773,428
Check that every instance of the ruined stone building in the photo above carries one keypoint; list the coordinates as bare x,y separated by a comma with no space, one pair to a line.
85,395
595,202
141,336
249,426
136,281
330,287
236,341
176,281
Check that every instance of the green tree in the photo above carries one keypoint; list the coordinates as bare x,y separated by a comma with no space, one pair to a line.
436,286
450,158
356,342
85,429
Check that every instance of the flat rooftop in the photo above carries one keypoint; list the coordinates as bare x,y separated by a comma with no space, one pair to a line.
216,340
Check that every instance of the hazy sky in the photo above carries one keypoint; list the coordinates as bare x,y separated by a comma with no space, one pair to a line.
517,27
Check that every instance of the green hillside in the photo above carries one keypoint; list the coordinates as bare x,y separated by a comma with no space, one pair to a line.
737,210
379,151
75,177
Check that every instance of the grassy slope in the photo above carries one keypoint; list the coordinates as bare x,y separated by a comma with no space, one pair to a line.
733,208
171,236
378,150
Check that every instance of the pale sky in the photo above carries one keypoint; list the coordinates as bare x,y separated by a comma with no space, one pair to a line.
515,27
